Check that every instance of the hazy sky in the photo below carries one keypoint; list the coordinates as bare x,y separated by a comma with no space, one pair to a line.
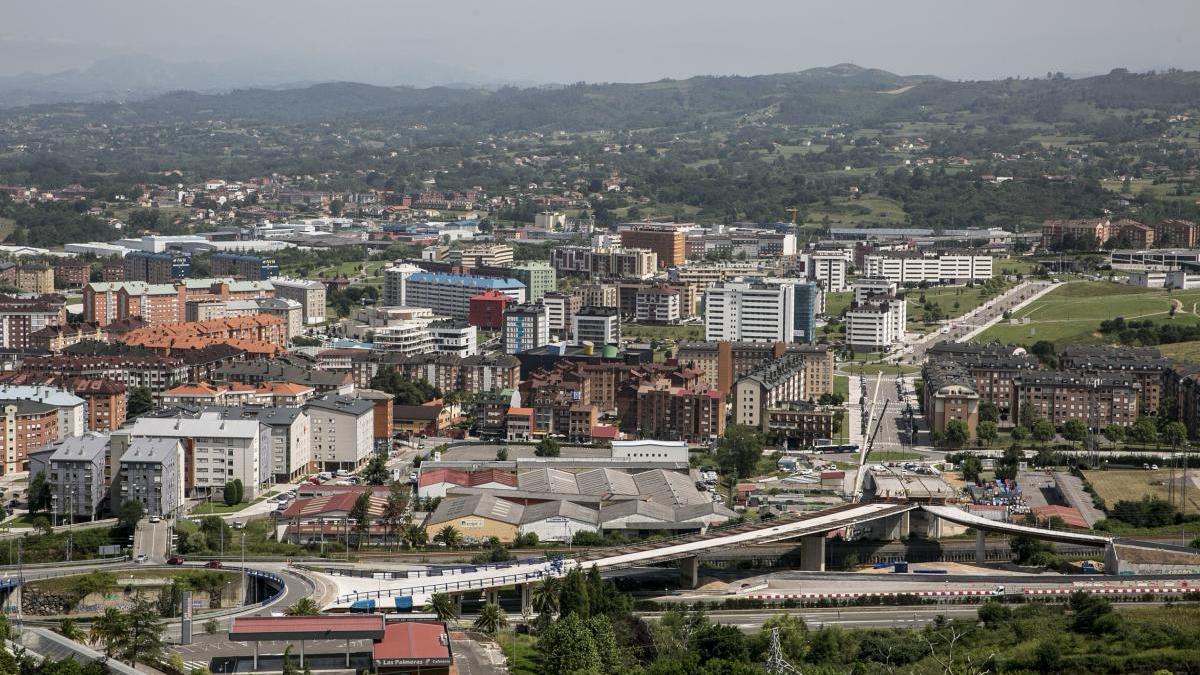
393,41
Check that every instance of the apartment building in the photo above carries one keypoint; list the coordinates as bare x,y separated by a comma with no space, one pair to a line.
108,302
71,274
482,255
72,410
166,267
598,295
486,310
404,337
943,268
668,244
749,311
828,268
216,450
992,369
310,295
801,422
1097,399
657,305
769,386
288,437
598,325
156,373
455,337
473,374
876,325
1177,233
34,278
949,394
20,318
1146,365
561,308
1132,233
342,432
1094,231
151,472
450,294
526,326
722,363
395,283
25,426
75,470
244,266
637,263
239,331
672,413
866,288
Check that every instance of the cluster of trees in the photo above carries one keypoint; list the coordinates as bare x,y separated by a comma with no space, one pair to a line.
344,300
234,492
1146,333
54,223
405,391
1149,511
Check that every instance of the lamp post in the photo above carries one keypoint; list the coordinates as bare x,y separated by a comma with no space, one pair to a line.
244,589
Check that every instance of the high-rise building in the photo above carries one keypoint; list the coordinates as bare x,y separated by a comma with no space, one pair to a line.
829,268
808,301
935,268
749,311
877,324
395,283
538,276
486,309
526,326
255,267
657,305
668,244
310,295
450,294
157,268
561,307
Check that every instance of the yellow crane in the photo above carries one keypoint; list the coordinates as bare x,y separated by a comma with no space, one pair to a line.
794,213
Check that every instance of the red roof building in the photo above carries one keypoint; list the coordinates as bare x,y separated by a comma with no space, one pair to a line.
412,646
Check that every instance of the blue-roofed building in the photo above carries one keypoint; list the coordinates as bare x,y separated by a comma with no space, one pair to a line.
450,294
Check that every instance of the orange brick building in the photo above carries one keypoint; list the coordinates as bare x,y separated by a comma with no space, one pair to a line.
24,426
257,334
105,302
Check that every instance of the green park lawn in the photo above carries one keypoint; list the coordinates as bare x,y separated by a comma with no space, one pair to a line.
1072,313
1182,351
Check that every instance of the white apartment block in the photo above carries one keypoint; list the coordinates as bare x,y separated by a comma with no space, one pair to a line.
561,307
310,295
944,268
458,338
526,326
598,325
395,283
219,450
450,294
867,287
876,325
829,268
657,305
483,255
406,337
343,435
744,311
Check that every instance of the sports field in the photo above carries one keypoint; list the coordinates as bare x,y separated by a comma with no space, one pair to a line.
1072,313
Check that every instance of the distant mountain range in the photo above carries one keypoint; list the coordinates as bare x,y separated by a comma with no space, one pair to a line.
841,93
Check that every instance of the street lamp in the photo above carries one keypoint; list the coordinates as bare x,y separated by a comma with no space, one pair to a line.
244,589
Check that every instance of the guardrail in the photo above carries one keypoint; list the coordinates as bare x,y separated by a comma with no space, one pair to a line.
448,587
72,563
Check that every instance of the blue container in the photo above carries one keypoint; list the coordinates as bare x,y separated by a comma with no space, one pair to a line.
901,567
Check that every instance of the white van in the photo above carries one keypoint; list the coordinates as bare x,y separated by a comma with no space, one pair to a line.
342,473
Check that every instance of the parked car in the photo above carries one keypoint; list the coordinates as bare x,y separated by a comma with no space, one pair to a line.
213,564
155,519
141,558
175,560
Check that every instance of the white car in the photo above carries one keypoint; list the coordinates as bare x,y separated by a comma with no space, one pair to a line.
155,519
141,558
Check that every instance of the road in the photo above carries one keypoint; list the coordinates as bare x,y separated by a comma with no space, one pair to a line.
962,328
152,540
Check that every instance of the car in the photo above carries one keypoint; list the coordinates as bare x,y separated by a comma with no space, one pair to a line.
213,564
141,558
239,525
412,477
175,560
155,519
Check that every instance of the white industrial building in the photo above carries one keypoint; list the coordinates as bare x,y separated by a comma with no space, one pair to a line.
749,311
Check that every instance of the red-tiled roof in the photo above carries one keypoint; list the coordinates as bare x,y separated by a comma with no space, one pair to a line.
410,640
340,502
603,431
1070,516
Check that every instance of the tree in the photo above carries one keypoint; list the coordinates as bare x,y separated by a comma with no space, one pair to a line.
547,447
108,630
988,412
360,513
1143,431
502,454
289,668
230,494
415,536
304,607
129,515
376,471
69,628
1009,463
1175,434
971,467
396,507
567,646
1074,430
573,598
1019,434
1114,433
143,640
443,606
987,433
448,536
544,596
1043,431
40,494
491,619
739,451
957,433
141,400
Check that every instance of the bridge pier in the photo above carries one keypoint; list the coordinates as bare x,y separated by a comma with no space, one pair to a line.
812,553
525,603
1111,563
689,572
493,596
980,547
458,601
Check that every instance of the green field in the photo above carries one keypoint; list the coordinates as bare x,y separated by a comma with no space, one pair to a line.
1072,313
836,303
1182,351
647,332
954,301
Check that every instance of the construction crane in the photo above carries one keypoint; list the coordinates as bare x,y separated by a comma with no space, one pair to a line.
795,214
